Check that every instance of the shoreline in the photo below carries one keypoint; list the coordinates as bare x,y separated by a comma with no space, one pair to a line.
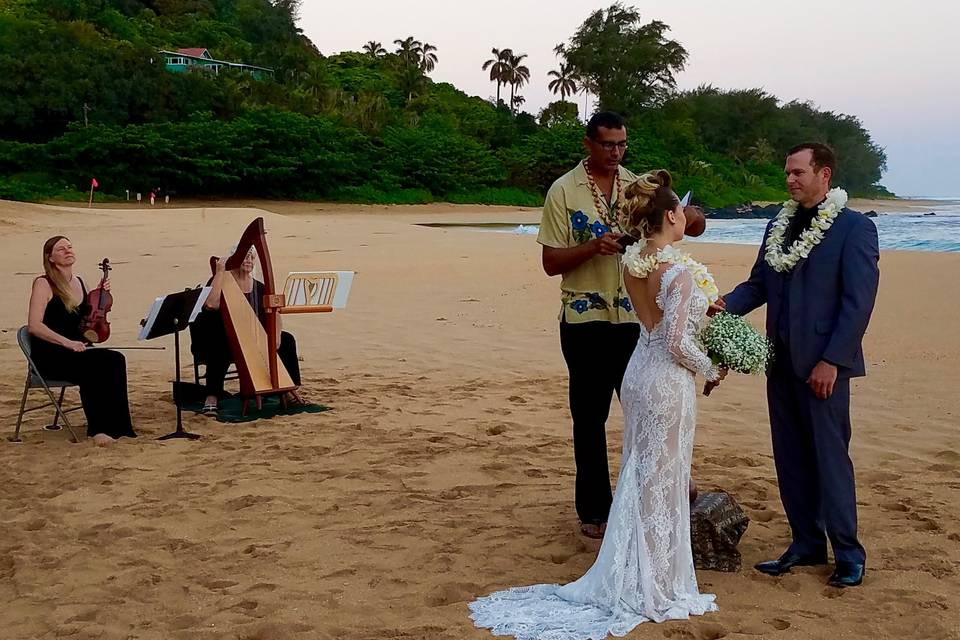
880,205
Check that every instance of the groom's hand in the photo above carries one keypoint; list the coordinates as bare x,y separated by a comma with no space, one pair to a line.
822,379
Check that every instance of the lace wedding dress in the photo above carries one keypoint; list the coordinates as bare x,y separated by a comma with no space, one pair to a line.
644,570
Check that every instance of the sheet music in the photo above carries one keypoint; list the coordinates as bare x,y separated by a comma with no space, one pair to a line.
199,306
158,303
301,296
150,319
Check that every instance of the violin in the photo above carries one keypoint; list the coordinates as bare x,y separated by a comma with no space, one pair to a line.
95,327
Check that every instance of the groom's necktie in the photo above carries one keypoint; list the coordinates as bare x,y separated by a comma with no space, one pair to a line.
801,220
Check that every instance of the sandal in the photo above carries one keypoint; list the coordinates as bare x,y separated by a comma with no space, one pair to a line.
209,410
295,400
593,530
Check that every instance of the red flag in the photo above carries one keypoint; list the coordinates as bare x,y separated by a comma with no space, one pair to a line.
94,184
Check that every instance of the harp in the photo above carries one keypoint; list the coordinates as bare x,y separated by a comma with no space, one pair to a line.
254,346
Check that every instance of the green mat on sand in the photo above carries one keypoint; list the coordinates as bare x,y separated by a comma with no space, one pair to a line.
230,409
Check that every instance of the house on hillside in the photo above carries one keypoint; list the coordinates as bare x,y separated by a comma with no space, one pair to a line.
198,59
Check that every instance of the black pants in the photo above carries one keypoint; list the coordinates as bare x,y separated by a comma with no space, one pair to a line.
102,376
814,471
597,354
219,359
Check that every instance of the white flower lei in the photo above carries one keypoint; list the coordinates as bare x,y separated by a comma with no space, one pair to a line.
642,266
811,237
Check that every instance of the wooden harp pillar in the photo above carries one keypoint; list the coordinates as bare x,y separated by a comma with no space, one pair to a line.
254,346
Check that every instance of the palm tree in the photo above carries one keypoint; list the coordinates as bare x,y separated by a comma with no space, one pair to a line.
374,49
315,83
564,82
585,88
409,50
517,100
498,67
428,59
517,74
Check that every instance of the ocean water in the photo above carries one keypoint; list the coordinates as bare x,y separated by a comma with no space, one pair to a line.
913,229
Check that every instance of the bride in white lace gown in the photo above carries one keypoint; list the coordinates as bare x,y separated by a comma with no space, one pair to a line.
644,570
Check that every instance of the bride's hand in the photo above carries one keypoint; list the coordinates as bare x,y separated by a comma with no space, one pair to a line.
713,384
717,307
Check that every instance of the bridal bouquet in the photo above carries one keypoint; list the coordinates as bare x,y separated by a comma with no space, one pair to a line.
732,342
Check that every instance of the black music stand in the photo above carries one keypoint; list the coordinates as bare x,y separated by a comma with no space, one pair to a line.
171,314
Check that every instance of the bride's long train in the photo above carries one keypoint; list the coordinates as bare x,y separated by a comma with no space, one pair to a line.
644,571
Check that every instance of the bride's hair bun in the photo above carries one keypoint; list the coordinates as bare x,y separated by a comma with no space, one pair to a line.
646,199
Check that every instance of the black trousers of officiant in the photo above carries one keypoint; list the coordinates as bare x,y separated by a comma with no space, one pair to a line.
596,354
811,439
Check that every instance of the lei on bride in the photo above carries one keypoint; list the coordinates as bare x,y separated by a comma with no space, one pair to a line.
827,212
642,266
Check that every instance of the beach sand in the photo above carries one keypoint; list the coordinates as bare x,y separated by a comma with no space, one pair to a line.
445,467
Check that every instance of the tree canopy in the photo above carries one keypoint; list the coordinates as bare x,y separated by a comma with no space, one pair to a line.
84,93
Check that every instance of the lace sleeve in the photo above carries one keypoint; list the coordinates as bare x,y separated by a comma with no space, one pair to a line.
680,340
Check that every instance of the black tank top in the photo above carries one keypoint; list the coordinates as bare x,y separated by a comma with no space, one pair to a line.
64,322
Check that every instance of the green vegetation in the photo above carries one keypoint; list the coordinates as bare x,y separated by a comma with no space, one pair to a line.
84,93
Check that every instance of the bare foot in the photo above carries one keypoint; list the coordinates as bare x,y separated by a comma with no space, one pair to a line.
593,530
102,440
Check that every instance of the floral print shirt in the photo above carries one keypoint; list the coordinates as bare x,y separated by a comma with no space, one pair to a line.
594,290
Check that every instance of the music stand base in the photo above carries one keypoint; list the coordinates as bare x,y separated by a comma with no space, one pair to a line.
180,434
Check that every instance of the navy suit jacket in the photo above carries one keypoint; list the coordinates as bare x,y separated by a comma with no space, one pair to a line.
832,293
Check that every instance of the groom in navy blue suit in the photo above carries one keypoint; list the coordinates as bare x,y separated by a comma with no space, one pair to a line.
819,302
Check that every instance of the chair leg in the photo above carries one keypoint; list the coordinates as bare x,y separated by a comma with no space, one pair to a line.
60,412
56,415
23,403
243,406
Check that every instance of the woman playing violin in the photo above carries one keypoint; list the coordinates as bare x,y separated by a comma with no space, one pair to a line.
57,308
209,337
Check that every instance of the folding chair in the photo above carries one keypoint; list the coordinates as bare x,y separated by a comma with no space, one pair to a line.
36,381
196,349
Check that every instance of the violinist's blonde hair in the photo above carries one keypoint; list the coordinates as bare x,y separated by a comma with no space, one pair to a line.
61,288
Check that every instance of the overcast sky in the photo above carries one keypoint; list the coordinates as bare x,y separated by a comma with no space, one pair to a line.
896,68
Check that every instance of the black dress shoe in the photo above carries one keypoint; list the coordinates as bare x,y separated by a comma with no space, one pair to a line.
788,560
847,574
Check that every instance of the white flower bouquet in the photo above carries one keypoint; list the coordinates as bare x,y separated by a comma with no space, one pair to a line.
732,342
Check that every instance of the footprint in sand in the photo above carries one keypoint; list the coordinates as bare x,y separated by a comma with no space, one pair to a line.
925,524
948,456
35,524
453,592
895,506
86,616
184,622
709,631
246,501
764,516
214,584
778,623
